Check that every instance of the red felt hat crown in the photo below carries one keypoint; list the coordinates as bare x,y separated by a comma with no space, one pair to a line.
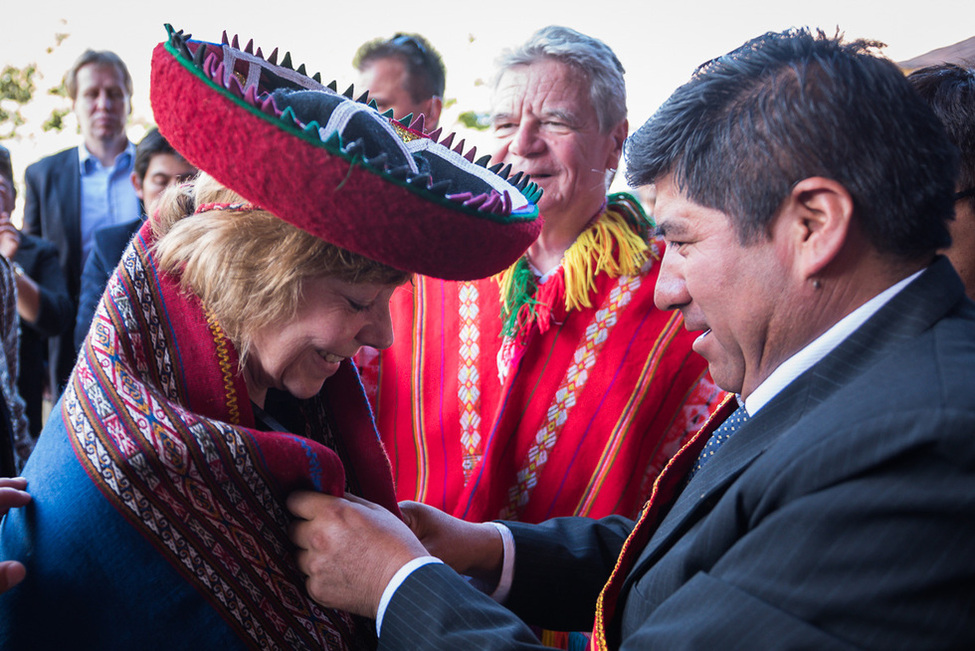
337,168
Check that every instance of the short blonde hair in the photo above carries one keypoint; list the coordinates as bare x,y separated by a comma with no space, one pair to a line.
247,267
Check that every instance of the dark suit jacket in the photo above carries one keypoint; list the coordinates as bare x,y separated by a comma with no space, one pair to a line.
107,246
52,210
39,259
841,516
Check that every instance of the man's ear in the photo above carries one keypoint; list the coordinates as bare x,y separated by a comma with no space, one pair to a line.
618,134
431,116
137,184
821,212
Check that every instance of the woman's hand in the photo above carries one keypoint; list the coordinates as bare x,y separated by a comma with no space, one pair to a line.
12,495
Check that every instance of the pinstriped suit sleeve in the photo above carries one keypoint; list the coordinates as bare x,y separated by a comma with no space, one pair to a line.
435,608
560,566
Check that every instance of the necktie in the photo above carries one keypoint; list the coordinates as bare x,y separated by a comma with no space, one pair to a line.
722,434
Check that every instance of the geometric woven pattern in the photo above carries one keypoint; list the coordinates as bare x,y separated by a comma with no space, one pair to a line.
468,382
572,384
189,483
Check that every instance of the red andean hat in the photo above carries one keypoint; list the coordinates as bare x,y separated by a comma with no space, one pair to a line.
337,168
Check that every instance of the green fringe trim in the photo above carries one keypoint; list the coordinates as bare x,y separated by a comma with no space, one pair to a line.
617,243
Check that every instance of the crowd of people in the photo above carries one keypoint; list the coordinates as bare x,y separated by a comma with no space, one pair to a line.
375,391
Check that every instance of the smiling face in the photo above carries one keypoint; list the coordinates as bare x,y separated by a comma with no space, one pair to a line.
102,104
335,318
546,126
738,295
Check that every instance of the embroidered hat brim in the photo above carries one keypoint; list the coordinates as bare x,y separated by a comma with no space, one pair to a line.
337,168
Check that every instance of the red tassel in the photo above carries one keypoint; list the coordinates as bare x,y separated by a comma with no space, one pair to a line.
550,297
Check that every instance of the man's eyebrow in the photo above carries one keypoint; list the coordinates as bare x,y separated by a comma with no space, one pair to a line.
673,228
561,114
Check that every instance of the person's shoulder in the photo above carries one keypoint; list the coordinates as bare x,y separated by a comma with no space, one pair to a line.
111,236
123,229
53,160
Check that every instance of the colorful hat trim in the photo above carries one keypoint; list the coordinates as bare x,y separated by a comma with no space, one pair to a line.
337,168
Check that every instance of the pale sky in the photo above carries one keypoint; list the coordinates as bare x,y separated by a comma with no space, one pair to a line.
658,43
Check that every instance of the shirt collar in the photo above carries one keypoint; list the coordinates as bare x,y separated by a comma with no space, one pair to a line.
796,365
123,159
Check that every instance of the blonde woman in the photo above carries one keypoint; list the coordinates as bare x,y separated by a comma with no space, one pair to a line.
217,375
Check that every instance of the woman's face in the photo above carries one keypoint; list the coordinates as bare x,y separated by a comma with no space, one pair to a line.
334,319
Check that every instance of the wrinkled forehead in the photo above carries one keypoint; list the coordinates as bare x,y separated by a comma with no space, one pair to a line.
543,79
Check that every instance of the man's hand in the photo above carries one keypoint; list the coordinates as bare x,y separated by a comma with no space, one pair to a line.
474,549
349,548
12,495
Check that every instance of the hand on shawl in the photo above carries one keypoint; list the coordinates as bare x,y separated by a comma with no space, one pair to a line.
349,548
470,548
11,495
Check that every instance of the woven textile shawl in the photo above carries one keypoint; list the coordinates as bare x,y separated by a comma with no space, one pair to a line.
160,419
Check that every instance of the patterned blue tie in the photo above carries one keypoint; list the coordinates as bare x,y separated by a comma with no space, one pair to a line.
718,438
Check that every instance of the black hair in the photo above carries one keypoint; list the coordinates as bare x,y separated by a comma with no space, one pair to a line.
152,144
949,89
787,106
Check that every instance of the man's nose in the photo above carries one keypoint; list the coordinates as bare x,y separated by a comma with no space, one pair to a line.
103,100
670,293
526,141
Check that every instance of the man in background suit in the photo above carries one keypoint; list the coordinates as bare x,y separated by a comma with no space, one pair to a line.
949,89
803,191
403,74
74,192
157,166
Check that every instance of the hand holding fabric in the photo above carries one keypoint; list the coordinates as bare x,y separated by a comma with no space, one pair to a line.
470,548
12,495
349,548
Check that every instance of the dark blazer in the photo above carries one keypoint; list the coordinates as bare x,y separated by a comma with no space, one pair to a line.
840,516
52,210
107,246
39,259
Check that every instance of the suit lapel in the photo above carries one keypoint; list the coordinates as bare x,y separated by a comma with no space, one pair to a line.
732,459
665,487
69,187
914,309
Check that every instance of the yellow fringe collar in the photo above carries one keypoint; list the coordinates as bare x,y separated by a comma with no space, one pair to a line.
617,243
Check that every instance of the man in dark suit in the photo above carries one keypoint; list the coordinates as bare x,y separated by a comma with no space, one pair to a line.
74,192
157,166
803,191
